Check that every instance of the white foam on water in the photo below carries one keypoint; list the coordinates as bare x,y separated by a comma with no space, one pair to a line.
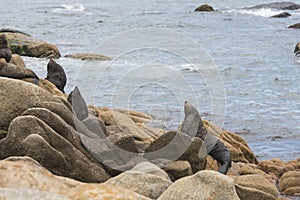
265,12
77,7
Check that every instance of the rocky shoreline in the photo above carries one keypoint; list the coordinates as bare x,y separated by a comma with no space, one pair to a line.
54,146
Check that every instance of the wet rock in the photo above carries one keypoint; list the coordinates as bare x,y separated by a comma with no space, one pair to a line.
297,25
78,103
281,15
26,45
104,192
289,183
17,60
146,184
297,49
204,8
255,187
202,185
88,56
277,6
32,137
178,169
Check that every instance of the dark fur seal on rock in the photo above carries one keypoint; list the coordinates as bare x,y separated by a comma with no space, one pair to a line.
12,71
5,52
78,104
281,15
193,126
56,75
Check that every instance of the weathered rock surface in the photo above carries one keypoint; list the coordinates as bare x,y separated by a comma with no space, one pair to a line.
238,147
17,60
289,183
150,168
88,56
23,178
149,185
255,187
178,169
17,96
201,186
13,71
104,192
26,45
278,167
28,135
204,8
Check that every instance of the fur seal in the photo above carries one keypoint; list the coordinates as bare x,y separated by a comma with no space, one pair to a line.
12,71
193,126
56,75
5,51
281,15
78,103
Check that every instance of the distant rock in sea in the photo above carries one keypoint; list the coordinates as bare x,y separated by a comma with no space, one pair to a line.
297,25
204,8
277,6
281,15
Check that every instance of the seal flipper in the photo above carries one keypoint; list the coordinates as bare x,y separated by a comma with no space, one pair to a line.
78,103
56,75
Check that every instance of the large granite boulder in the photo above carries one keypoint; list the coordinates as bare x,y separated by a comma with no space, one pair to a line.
255,187
23,178
201,186
289,183
17,96
30,136
26,45
147,184
279,167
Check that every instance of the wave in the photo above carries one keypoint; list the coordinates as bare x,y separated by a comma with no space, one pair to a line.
77,7
264,12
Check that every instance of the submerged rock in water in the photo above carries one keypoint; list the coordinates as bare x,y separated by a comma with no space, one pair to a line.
204,8
26,45
277,6
88,56
281,15
297,25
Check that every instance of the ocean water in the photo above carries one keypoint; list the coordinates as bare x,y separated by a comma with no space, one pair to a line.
236,65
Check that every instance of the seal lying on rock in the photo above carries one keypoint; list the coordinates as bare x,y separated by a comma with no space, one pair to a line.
5,51
56,75
194,127
78,104
12,71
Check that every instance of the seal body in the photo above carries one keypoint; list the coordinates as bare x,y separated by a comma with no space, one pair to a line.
56,75
5,51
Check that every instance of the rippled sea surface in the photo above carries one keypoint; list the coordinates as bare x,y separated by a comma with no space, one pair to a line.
236,65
